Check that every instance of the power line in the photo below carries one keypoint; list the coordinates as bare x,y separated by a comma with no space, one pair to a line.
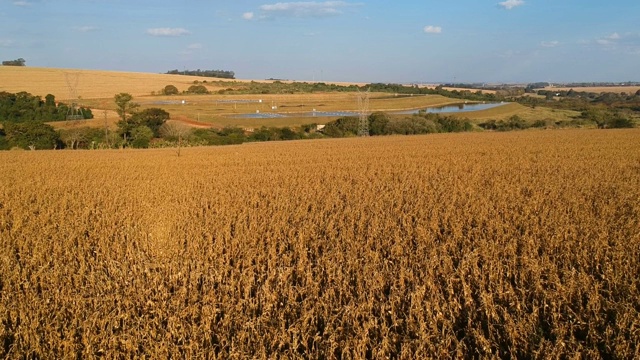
74,112
363,110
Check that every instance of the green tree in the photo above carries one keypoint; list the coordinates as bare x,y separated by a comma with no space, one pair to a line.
211,137
141,136
378,122
125,107
4,143
31,135
516,122
50,101
287,134
17,62
342,127
619,122
153,118
82,137
453,124
263,134
598,116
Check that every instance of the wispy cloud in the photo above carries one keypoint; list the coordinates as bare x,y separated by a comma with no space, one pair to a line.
550,44
248,16
510,4
626,43
21,3
302,9
631,43
609,39
85,29
191,49
432,29
6,43
168,32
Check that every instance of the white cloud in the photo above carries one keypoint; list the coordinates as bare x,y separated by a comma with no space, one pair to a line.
550,44
21,3
85,28
168,32
6,43
614,36
191,49
432,29
609,39
510,4
248,16
305,8
627,43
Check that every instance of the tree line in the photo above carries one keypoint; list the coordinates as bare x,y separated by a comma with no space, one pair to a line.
23,117
16,62
224,74
23,106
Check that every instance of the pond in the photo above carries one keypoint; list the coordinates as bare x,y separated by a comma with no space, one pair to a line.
457,108
449,109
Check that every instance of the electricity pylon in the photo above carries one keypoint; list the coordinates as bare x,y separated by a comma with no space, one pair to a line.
363,111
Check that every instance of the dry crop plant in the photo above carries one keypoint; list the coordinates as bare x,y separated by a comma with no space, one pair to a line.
522,244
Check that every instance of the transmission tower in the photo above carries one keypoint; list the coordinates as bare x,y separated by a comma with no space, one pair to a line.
74,112
363,111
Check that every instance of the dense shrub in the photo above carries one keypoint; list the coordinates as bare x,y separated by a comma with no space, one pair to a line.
170,90
198,89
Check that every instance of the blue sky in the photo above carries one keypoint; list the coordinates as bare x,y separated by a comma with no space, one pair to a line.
360,40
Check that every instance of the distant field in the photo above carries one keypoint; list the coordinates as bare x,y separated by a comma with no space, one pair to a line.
223,110
96,89
95,84
524,112
92,84
599,89
204,110
460,89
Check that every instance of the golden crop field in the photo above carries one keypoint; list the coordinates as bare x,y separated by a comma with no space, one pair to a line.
473,245
90,84
94,84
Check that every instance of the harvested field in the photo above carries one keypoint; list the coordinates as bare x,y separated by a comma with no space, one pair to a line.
477,245
599,89
484,91
526,113
95,84
92,84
